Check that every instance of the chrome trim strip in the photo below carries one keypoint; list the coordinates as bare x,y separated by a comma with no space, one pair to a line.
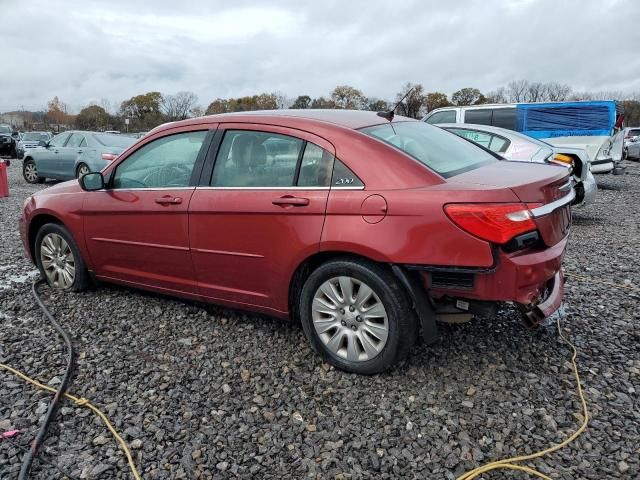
280,188
566,186
553,206
150,189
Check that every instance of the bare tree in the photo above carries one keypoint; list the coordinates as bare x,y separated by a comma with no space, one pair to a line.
178,106
535,92
413,105
557,92
498,95
516,90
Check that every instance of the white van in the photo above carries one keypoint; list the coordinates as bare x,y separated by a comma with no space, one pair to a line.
593,126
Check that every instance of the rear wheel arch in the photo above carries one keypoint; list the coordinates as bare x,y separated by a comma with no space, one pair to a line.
311,263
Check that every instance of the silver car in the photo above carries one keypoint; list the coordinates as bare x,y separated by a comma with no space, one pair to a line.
72,154
30,140
514,146
632,148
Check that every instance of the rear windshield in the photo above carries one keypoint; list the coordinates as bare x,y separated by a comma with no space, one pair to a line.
114,140
442,151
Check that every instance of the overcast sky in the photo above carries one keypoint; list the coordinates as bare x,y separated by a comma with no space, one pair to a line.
86,51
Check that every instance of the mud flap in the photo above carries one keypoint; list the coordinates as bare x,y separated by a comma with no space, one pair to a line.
421,302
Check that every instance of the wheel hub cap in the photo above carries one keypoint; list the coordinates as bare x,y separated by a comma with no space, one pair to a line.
350,319
57,260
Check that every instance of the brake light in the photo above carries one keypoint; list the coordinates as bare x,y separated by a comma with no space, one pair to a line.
108,156
494,222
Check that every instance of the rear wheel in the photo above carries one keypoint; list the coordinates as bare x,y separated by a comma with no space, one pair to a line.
357,316
30,172
59,259
82,170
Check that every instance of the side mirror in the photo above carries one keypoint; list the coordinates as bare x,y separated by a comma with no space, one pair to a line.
92,181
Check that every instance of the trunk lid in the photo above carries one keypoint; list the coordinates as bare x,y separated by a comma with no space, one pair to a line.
532,183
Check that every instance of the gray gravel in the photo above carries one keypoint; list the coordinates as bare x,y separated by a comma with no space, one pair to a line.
203,392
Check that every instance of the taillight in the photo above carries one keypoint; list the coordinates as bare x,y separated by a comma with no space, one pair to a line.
494,222
108,156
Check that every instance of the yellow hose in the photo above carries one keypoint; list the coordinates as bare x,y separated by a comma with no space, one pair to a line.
509,463
82,402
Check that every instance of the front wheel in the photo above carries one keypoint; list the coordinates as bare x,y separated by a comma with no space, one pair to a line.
30,172
82,170
59,259
357,316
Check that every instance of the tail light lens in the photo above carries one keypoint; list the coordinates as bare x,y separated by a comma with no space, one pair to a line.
108,156
494,222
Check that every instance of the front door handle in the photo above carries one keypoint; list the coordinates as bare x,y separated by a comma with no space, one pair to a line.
169,200
289,200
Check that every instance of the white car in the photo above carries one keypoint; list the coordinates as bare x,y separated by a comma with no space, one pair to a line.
516,147
629,133
592,126
633,148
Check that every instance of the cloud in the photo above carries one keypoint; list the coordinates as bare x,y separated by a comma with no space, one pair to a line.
86,51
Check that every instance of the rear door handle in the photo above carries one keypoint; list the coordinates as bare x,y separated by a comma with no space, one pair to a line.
169,200
289,200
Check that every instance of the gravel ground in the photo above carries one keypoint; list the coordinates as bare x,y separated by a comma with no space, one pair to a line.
203,392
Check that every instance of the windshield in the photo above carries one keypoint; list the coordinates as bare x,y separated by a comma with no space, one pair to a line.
5,129
444,152
35,137
114,140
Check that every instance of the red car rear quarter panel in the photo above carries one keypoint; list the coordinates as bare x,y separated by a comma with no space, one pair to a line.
415,229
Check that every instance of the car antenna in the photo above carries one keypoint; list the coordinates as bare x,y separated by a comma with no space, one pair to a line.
390,113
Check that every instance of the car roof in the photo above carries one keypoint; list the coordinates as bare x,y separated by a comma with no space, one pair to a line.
351,119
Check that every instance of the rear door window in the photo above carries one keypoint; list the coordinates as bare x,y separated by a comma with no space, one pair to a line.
256,159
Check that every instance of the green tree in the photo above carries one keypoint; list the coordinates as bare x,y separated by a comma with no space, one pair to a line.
303,101
466,96
322,102
219,105
93,117
344,96
433,100
378,105
144,111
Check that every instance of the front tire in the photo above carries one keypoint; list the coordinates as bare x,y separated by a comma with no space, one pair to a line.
30,172
59,259
82,170
357,316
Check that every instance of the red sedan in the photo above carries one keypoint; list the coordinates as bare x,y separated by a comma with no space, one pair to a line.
363,228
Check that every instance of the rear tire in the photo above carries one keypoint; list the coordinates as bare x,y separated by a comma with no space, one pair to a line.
59,260
30,172
365,324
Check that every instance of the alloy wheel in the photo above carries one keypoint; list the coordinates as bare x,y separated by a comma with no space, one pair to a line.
58,262
350,319
31,172
82,171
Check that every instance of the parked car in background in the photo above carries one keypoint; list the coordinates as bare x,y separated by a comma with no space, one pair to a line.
517,147
361,227
633,148
629,133
72,154
30,140
7,142
594,126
